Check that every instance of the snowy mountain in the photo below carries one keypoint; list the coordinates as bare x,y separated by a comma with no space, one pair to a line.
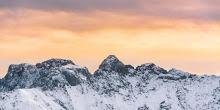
59,84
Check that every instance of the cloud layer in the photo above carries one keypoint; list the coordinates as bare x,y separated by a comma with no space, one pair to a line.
171,33
191,9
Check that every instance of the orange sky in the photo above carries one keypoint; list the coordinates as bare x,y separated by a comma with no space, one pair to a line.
190,43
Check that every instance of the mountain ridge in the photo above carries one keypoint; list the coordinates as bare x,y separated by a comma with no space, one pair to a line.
57,60
61,84
110,64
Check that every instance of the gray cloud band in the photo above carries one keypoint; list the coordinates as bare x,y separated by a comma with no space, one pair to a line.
199,9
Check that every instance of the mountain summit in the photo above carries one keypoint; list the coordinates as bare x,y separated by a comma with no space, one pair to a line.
52,63
112,63
47,75
59,84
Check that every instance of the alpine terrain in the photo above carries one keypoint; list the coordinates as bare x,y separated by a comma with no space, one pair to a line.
59,84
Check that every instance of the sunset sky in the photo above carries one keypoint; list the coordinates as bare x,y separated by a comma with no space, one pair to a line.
171,33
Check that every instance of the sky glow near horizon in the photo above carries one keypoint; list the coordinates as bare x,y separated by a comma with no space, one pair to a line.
172,33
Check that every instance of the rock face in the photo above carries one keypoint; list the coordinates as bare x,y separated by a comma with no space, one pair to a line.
47,75
113,64
59,84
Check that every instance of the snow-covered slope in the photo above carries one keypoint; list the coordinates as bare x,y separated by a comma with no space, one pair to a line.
59,84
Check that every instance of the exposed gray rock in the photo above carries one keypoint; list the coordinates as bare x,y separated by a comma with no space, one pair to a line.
53,63
113,64
46,75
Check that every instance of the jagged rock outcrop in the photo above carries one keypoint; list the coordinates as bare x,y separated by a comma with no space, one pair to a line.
151,69
47,75
113,64
174,74
54,63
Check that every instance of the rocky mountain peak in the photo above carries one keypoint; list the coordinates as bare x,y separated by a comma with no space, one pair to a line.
52,63
15,70
173,70
47,75
111,58
111,63
174,74
151,68
177,72
146,66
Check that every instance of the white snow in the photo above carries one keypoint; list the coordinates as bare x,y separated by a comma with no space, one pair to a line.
193,95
